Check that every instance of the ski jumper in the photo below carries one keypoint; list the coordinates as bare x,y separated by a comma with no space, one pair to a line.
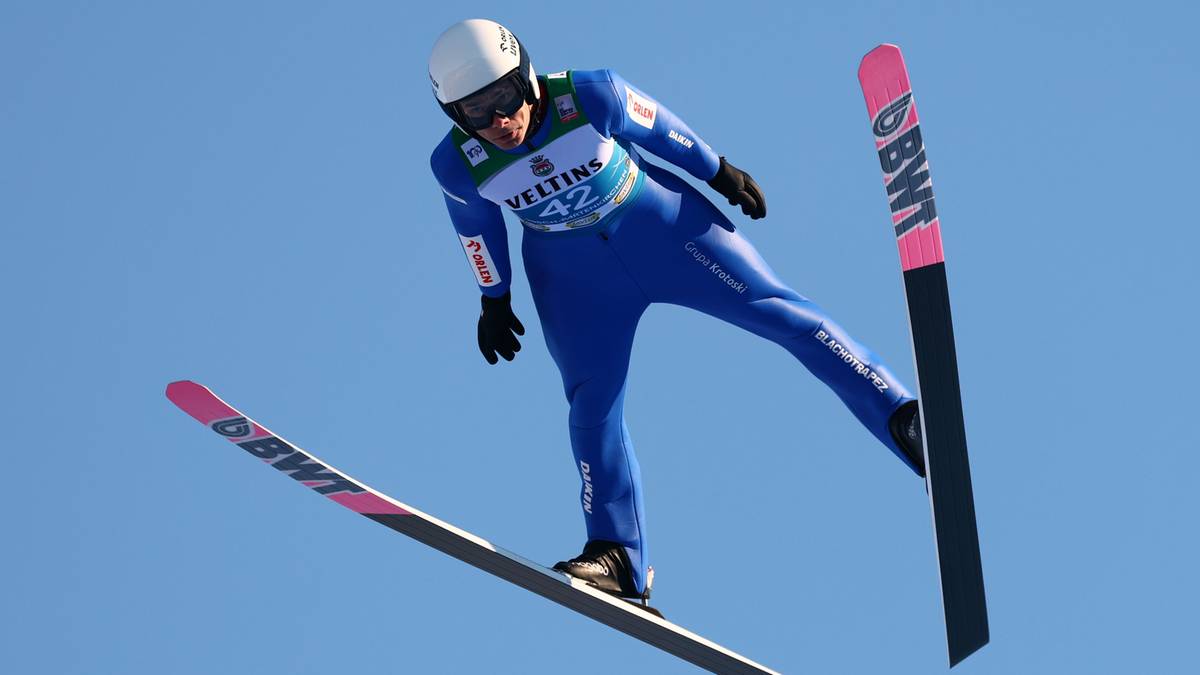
606,234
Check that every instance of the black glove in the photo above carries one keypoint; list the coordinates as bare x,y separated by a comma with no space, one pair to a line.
497,323
740,189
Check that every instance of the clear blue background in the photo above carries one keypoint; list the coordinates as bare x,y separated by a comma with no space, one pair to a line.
238,193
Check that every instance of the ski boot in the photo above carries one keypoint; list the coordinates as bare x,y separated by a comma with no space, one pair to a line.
604,565
905,425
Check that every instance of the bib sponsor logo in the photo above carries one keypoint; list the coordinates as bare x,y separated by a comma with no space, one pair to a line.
566,107
583,222
681,139
557,76
553,184
474,151
560,186
640,109
535,226
629,181
541,166
480,260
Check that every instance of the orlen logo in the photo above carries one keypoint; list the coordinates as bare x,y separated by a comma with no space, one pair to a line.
480,260
892,116
639,108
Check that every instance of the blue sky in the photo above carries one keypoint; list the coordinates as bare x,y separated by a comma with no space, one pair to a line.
238,193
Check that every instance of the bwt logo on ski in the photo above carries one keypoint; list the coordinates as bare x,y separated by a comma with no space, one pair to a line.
284,457
892,116
299,466
234,427
909,189
908,186
839,350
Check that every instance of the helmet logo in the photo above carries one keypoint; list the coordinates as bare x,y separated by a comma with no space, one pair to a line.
541,166
508,42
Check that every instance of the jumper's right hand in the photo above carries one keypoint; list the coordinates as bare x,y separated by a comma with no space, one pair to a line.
497,323
740,189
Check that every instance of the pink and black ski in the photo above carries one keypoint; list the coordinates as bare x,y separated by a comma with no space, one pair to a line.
199,402
894,122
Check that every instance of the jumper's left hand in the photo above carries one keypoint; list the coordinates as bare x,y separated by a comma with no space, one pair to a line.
740,189
497,325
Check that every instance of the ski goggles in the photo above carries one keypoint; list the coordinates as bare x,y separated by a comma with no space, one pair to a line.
503,97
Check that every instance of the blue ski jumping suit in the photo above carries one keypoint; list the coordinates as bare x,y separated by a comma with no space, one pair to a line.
606,234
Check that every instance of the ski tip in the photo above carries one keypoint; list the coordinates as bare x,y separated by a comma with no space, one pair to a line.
180,389
884,52
882,49
199,401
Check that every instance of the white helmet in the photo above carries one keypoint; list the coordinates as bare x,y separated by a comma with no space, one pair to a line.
482,61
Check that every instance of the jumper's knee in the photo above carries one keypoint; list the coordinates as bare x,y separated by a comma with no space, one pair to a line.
780,319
